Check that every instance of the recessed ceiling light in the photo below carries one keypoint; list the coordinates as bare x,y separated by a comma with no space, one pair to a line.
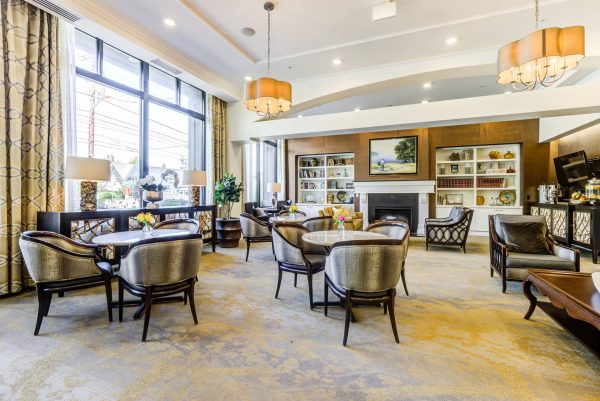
247,31
336,61
169,22
248,78
424,101
508,93
427,85
357,109
300,116
451,40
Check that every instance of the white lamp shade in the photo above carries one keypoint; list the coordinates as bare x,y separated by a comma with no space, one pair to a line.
273,187
87,169
194,178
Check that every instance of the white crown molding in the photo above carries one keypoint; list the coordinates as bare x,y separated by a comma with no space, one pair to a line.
106,17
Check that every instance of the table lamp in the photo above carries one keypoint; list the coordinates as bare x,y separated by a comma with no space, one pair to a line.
89,171
195,179
274,188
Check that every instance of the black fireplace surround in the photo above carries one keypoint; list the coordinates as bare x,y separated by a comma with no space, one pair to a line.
395,207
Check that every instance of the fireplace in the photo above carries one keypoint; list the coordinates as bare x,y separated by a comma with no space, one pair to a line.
395,207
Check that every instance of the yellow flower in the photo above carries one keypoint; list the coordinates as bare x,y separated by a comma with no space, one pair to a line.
144,218
293,208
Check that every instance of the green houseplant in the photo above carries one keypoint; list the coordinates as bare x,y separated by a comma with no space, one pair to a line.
227,193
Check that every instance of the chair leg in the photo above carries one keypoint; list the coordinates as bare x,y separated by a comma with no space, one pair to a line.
48,301
121,290
503,284
185,297
148,306
392,316
247,249
385,308
42,300
190,291
108,290
404,281
325,297
61,294
278,282
310,289
295,279
348,305
491,272
464,248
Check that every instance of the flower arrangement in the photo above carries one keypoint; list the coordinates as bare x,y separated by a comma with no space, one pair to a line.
340,216
293,210
148,183
144,220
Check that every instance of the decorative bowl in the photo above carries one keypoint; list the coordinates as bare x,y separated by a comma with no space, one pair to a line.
577,201
507,197
152,196
494,154
596,280
342,196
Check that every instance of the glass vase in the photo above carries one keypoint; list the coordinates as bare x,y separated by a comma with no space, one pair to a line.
341,229
147,230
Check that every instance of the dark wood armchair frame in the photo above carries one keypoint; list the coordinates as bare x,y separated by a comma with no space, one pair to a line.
431,224
498,252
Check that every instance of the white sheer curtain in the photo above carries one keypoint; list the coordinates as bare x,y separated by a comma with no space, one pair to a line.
67,81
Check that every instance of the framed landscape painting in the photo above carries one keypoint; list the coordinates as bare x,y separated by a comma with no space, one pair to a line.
393,155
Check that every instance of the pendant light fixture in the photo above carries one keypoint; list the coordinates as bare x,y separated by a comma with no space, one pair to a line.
266,96
542,57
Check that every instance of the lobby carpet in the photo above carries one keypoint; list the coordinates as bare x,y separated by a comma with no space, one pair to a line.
460,339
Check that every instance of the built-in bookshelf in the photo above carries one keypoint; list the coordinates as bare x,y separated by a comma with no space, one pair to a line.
484,178
326,179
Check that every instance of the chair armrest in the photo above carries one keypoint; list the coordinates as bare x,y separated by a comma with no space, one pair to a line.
437,220
564,252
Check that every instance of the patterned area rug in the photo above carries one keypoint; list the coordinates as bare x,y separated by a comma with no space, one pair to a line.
460,339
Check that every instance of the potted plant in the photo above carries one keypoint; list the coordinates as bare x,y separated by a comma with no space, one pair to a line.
153,192
229,230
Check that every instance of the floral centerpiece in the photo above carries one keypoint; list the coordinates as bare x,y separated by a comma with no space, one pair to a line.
293,210
340,216
145,220
153,191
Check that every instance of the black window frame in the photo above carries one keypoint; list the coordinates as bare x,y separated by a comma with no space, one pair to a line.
145,99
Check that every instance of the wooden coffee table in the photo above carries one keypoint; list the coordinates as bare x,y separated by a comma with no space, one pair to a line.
574,303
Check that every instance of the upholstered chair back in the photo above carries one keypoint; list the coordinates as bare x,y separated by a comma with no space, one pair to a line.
162,260
394,229
319,224
498,219
190,225
289,246
253,227
52,257
366,266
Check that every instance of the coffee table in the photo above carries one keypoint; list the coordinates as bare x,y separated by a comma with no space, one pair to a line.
574,303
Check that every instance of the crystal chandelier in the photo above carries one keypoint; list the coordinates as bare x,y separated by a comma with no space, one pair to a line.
542,57
266,96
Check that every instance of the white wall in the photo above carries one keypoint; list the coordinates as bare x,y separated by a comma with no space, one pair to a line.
552,128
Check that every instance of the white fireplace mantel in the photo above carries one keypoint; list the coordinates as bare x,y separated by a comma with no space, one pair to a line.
421,187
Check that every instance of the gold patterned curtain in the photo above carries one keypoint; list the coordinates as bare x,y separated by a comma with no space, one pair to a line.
218,115
31,141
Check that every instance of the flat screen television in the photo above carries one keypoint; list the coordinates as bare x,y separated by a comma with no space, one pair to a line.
572,170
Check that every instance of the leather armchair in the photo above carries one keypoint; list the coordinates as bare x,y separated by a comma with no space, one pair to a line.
159,267
297,256
364,273
252,207
190,225
58,264
450,231
254,230
512,266
395,230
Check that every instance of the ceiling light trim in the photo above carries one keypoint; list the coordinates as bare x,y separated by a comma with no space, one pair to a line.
202,17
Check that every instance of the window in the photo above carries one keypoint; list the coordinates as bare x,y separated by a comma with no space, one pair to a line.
260,163
112,123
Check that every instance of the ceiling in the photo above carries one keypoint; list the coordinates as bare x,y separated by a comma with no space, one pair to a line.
308,34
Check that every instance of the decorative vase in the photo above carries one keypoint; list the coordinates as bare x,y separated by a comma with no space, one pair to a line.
152,197
229,232
147,230
341,229
293,216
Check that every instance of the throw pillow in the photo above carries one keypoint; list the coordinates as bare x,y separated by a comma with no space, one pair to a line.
259,211
529,237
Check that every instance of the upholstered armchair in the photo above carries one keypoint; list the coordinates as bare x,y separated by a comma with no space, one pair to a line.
255,210
254,230
58,264
355,217
512,265
395,230
155,268
283,205
297,256
449,231
190,225
364,273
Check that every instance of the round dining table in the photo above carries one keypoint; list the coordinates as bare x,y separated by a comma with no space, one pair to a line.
328,238
126,238
298,219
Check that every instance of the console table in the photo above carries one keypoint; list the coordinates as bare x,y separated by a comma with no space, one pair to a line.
84,226
573,225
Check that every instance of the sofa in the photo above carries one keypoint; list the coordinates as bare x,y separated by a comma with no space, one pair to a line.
356,218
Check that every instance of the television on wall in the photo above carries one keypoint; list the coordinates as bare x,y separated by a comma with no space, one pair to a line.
389,156
572,170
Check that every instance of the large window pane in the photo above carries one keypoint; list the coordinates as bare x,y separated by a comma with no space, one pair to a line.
121,67
85,51
174,143
108,128
191,98
269,170
162,85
